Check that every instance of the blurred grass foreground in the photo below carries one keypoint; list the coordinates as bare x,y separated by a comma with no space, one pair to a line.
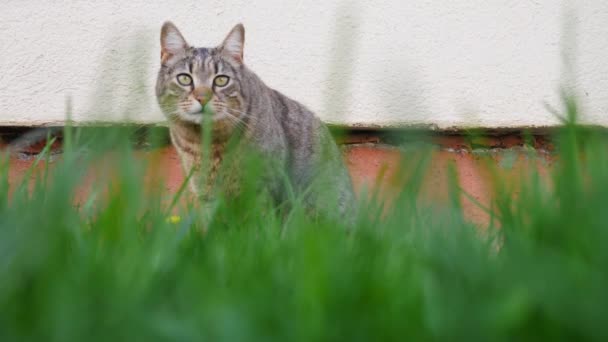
125,264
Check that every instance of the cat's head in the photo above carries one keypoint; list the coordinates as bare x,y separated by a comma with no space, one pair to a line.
193,82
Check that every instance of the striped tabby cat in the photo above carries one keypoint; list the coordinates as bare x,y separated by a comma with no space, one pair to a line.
194,83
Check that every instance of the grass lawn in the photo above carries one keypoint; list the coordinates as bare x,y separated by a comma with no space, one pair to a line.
120,267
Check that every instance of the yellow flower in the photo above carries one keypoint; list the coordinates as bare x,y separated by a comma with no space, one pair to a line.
174,219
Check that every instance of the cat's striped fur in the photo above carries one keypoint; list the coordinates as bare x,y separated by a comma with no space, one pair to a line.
237,100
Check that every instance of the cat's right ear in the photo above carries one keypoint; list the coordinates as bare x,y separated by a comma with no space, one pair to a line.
171,42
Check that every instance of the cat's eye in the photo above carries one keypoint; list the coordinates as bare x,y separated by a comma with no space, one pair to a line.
221,81
184,79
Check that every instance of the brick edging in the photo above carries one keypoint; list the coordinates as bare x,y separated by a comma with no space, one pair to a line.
32,140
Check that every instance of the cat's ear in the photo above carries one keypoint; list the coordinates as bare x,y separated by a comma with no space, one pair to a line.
171,42
233,45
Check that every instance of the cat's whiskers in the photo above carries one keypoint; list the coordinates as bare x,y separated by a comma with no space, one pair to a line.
239,124
234,115
239,115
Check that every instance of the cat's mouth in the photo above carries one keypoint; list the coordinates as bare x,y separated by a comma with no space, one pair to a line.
206,110
195,108
196,113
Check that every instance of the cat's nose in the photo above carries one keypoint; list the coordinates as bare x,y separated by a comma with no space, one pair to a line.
202,95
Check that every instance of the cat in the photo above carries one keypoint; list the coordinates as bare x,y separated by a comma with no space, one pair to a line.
194,83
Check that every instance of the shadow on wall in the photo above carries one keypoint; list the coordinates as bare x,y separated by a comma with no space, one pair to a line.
342,60
568,79
407,84
119,78
568,42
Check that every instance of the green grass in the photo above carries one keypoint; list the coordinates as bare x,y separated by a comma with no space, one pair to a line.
116,269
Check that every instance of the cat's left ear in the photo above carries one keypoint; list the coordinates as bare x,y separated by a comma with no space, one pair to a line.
233,45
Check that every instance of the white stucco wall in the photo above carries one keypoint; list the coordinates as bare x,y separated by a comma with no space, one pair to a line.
455,63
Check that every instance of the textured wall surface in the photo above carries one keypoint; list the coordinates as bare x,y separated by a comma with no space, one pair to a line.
462,63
